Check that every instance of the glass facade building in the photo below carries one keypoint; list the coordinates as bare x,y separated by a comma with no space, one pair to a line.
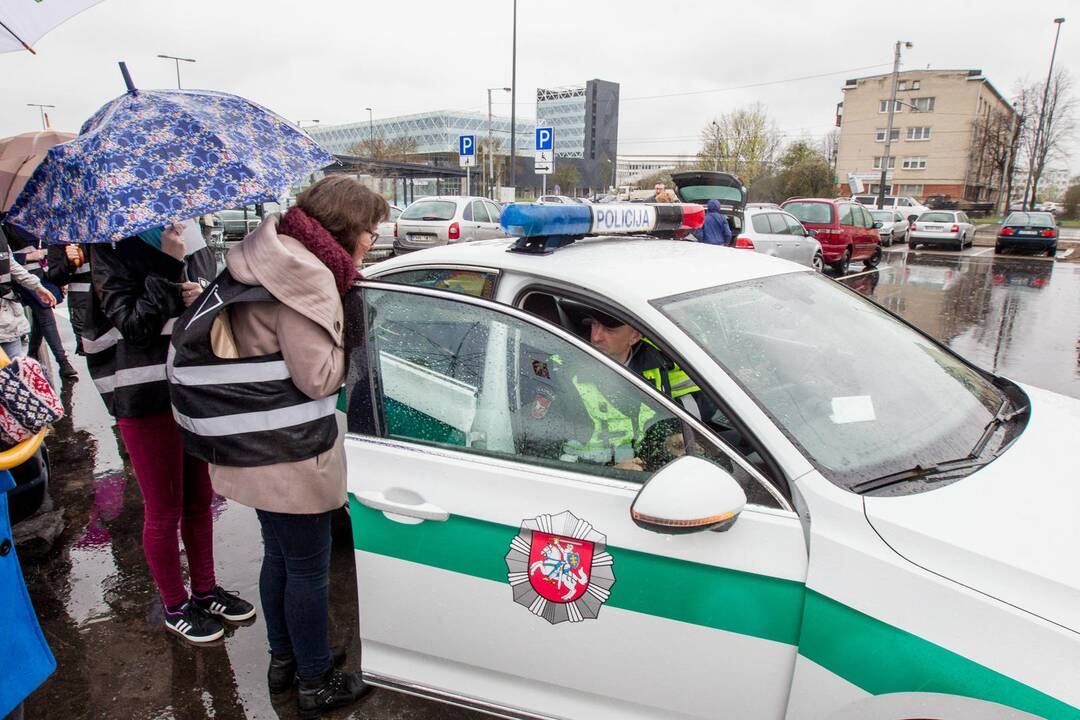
433,132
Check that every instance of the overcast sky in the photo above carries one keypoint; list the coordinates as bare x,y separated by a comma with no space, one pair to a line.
328,60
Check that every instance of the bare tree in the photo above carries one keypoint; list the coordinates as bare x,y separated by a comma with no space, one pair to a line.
830,147
989,153
1058,126
743,142
377,147
1024,107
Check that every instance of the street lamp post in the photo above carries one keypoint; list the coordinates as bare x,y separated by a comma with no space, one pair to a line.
1029,185
889,125
41,107
513,106
489,168
370,128
177,60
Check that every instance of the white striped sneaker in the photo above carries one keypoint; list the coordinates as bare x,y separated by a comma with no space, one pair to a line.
193,623
224,604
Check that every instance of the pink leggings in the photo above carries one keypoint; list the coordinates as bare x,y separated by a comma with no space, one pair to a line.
176,493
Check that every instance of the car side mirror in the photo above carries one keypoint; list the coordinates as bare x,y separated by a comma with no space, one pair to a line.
688,495
877,225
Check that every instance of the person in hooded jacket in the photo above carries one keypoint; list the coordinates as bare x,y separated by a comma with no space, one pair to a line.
307,259
715,231
139,289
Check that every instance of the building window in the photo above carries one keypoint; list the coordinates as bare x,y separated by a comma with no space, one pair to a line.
879,159
880,134
902,85
918,133
875,188
914,163
923,104
914,85
911,190
883,106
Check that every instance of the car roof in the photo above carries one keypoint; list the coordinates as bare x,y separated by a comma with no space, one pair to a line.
653,268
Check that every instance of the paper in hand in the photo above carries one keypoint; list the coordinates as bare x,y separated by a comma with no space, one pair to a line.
193,239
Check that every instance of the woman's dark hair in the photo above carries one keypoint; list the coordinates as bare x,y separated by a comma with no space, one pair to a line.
344,207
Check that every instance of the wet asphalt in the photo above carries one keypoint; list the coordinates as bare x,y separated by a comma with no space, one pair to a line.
1014,315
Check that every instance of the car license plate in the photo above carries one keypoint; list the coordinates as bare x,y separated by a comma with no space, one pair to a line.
1028,232
422,238
935,228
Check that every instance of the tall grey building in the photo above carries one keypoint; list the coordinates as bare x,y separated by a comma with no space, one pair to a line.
586,122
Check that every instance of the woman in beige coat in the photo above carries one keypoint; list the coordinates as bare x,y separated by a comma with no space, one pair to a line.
307,260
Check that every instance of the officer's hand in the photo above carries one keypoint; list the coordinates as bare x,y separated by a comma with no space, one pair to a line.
74,254
189,291
45,297
172,241
636,464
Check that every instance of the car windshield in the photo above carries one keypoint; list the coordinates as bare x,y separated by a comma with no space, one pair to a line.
698,193
1036,219
430,210
937,217
882,215
811,212
861,393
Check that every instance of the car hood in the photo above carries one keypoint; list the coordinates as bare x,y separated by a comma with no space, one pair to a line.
1009,530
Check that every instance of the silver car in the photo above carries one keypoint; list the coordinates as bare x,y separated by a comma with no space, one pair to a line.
950,228
384,244
441,220
772,231
894,226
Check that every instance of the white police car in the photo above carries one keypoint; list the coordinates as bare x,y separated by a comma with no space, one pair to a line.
813,539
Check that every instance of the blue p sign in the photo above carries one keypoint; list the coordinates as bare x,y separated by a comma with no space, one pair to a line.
545,138
466,145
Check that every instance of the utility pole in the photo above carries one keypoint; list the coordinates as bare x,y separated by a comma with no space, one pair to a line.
889,128
41,107
489,168
177,60
716,145
370,128
1032,183
513,107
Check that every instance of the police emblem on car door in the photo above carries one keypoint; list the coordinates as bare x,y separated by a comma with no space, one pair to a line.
559,569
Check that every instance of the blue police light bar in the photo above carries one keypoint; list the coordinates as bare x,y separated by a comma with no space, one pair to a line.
563,223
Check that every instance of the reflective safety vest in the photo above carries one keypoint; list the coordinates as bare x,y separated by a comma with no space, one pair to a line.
666,375
614,432
241,412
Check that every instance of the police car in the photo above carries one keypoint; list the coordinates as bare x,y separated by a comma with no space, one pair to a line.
812,539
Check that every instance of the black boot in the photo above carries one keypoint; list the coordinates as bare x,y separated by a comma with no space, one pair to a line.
282,672
333,690
67,370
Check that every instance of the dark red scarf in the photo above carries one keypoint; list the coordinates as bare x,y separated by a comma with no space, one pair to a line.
298,224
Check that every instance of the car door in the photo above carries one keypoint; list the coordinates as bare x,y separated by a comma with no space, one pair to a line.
805,246
848,225
474,219
787,245
494,213
465,482
764,240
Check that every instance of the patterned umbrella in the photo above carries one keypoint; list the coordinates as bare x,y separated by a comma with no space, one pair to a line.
151,157
19,157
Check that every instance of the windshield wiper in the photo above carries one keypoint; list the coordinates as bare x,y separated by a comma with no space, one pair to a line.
999,419
919,472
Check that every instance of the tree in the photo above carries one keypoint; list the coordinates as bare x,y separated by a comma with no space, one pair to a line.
742,142
990,152
804,172
1058,125
1072,200
566,176
830,147
649,181
377,147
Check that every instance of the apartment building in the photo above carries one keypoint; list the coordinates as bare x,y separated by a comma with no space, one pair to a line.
948,130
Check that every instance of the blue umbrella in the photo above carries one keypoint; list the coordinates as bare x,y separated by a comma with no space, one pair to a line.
151,157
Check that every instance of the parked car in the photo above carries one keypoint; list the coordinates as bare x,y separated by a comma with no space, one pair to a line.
558,200
236,223
1051,207
894,226
384,244
1028,231
771,231
895,544
950,228
909,206
844,228
441,220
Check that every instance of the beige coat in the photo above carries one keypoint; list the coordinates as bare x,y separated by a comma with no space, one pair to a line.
307,327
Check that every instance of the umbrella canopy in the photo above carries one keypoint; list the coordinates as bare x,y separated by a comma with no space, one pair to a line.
23,22
151,157
19,157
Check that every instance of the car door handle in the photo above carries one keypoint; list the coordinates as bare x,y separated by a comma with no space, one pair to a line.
402,502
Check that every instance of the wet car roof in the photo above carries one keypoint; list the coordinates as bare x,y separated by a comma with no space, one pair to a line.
653,268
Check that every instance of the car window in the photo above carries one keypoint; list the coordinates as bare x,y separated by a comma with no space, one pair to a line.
865,220
936,217
846,214
430,210
779,225
479,212
467,213
794,226
817,213
469,282
1037,219
897,217
395,213
494,211
761,223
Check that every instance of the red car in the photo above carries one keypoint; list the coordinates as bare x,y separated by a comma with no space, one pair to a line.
845,229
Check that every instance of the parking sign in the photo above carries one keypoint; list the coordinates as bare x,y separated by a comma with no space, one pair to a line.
467,150
545,150
545,138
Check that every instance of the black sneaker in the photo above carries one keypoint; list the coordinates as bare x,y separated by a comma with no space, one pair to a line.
224,604
281,675
333,690
68,371
192,623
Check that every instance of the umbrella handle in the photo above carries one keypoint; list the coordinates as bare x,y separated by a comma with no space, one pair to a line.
127,76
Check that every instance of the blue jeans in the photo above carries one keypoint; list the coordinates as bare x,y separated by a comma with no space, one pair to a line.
14,348
294,587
